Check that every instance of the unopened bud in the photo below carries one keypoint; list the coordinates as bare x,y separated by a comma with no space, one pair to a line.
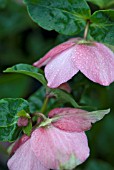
22,121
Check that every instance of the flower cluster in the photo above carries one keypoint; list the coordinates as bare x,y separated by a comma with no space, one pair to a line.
60,142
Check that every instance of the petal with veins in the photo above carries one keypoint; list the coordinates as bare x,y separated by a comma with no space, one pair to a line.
96,62
75,120
55,51
54,147
25,159
60,69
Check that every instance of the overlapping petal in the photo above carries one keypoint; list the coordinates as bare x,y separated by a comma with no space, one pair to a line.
25,159
55,51
75,120
95,61
54,147
61,68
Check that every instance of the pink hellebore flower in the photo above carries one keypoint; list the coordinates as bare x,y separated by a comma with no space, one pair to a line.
59,142
95,61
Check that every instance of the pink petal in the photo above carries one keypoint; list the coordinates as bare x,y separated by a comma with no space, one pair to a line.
55,51
54,147
60,69
96,62
65,87
19,142
75,120
24,159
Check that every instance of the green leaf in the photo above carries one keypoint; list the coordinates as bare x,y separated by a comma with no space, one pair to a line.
9,133
28,129
3,3
65,97
9,83
22,113
9,109
28,70
102,26
13,26
110,46
64,16
95,95
36,101
98,165
103,4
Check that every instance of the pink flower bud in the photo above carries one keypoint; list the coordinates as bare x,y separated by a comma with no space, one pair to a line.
22,121
95,61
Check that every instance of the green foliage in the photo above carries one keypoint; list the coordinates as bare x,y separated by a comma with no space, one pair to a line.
28,70
9,133
103,4
23,113
65,97
28,129
36,101
95,93
11,82
3,3
98,165
66,17
9,109
102,26
16,13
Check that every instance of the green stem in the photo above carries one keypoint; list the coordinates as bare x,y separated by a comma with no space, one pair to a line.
86,30
44,105
40,115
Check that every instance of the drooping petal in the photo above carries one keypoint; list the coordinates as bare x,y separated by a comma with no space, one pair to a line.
25,159
60,69
75,120
96,62
54,147
55,51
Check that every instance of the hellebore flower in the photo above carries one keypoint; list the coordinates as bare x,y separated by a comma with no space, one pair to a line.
59,142
94,60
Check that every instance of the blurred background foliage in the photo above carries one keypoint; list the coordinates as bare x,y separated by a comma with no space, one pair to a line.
22,41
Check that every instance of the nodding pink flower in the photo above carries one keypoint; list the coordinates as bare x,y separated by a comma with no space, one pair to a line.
94,60
62,143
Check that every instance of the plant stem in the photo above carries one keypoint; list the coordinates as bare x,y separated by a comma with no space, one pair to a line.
86,30
40,115
44,105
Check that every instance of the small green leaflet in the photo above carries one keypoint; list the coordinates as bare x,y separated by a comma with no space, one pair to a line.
64,16
28,70
28,129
